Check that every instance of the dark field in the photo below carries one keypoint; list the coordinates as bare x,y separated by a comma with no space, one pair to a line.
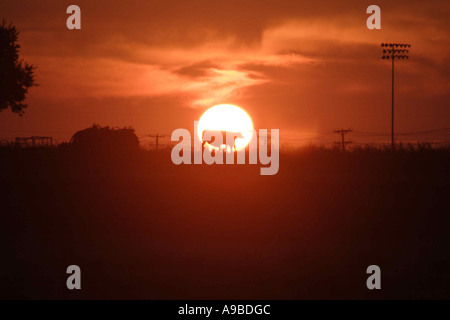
140,227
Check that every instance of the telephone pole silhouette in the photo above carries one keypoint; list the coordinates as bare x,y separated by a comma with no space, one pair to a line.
393,54
157,137
342,132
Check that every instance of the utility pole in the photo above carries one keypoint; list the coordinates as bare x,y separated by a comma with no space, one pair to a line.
342,132
393,54
157,136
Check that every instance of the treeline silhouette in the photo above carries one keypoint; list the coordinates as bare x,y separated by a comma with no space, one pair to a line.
141,227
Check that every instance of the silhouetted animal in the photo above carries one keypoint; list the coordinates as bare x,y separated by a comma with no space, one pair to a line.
214,133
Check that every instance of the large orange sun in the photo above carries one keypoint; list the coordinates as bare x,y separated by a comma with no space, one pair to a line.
230,118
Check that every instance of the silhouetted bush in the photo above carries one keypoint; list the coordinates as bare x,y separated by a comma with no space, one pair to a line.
97,139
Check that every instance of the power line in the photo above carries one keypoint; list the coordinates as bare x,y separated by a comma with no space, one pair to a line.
401,133
157,137
342,132
35,131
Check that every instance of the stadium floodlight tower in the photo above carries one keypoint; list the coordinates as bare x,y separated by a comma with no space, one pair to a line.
394,51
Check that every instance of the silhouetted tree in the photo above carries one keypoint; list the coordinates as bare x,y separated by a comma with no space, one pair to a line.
16,76
99,139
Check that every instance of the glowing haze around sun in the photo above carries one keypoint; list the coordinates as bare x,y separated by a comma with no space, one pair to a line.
227,117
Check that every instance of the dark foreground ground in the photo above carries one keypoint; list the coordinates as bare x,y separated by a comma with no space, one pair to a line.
141,227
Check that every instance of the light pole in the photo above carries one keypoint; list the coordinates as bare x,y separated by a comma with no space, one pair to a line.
391,52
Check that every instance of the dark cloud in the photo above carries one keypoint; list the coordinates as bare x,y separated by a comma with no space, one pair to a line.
197,70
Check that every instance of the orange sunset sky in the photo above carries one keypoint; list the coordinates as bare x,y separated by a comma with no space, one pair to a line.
304,67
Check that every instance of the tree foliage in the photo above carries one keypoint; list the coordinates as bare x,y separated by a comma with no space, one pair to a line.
16,76
97,139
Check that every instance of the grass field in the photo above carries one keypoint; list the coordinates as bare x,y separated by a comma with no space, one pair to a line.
141,227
